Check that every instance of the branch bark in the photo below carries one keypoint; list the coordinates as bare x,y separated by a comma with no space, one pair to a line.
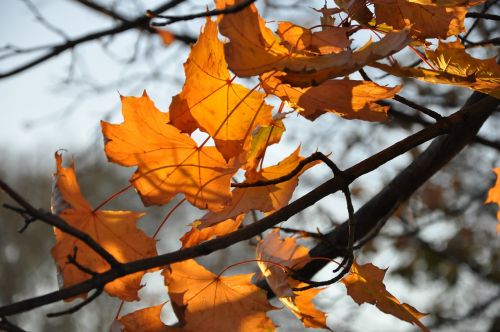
371,216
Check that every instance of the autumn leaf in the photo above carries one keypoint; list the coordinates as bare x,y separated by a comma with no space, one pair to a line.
347,62
276,258
286,255
263,198
347,98
169,162
297,38
454,66
494,196
365,285
261,140
196,236
254,49
115,231
209,100
356,10
215,303
425,21
144,320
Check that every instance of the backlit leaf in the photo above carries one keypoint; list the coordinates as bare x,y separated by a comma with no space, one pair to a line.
254,49
215,303
425,21
286,256
346,98
264,198
115,231
169,162
196,235
227,111
365,285
454,66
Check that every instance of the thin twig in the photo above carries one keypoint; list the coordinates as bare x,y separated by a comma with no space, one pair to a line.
436,116
80,305
483,16
60,224
228,10
303,163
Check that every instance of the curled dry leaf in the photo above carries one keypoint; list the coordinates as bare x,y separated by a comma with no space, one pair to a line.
254,49
115,231
215,303
365,285
169,162
276,258
264,198
209,100
347,98
456,67
494,196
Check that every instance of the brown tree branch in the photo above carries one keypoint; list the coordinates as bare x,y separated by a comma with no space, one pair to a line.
381,206
228,10
471,115
59,223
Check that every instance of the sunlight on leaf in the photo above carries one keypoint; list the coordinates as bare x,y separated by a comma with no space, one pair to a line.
115,231
169,162
214,303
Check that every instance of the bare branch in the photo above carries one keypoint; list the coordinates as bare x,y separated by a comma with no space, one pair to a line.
228,10
142,22
53,220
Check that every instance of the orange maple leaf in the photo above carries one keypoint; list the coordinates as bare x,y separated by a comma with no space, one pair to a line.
254,49
209,100
425,21
297,38
456,67
265,198
196,235
215,303
169,162
365,285
494,196
276,258
115,231
144,320
347,98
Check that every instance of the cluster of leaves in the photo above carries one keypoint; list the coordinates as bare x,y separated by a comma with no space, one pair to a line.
308,70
